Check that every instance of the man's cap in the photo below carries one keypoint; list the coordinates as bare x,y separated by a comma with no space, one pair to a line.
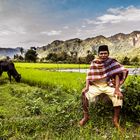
103,48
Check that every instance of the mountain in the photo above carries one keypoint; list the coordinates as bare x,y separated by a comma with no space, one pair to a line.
120,45
9,52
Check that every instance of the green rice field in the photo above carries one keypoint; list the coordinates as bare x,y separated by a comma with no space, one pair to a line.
50,65
43,78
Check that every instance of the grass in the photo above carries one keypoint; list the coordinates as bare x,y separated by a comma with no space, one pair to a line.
50,66
56,66
34,113
45,78
47,106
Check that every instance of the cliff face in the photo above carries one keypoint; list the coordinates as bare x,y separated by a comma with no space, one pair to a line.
119,45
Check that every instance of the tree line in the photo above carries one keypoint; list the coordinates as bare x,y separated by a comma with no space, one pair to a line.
63,57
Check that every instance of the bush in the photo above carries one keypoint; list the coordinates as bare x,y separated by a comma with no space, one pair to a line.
125,60
135,60
131,91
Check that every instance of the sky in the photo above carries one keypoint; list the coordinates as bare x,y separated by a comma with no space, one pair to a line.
28,23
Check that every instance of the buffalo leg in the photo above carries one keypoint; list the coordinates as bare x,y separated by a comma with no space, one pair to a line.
1,73
9,75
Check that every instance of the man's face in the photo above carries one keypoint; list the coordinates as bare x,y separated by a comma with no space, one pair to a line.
103,55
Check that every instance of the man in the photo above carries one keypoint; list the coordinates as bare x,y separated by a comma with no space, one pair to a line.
105,76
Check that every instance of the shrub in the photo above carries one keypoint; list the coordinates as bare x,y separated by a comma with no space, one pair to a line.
131,91
135,60
125,60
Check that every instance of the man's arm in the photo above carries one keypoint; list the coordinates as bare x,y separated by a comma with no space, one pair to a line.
87,86
125,73
117,87
117,84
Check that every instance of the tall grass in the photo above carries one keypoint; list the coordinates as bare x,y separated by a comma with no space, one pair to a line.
55,66
50,66
47,78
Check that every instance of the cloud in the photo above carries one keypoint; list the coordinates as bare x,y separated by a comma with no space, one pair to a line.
6,32
109,19
83,26
118,15
66,27
52,33
115,20
78,31
90,21
38,22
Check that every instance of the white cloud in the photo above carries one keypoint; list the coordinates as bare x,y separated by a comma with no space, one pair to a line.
66,27
115,20
78,31
115,10
120,15
89,21
52,33
6,32
33,23
83,26
109,19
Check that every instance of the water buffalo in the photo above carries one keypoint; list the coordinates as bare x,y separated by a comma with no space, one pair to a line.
8,66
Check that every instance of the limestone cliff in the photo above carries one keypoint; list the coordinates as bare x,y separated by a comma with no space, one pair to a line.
119,44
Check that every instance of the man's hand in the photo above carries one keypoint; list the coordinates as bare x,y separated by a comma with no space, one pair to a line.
118,94
117,91
84,90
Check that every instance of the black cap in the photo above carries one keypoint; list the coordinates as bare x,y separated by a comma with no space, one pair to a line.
103,48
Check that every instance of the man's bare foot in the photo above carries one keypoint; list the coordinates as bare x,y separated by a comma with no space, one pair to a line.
116,124
119,128
83,121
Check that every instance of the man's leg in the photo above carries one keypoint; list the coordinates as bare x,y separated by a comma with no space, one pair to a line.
116,117
117,104
85,105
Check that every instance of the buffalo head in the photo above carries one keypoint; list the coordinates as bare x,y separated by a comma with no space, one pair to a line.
18,77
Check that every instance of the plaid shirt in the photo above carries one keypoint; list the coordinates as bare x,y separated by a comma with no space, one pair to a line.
106,69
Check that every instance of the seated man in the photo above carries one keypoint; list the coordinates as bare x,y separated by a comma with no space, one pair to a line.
105,76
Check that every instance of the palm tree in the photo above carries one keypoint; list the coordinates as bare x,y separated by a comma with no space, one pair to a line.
21,50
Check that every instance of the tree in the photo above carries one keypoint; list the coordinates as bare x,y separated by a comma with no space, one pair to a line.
52,56
71,53
15,56
31,55
88,52
21,50
135,60
18,57
125,61
89,58
62,56
73,57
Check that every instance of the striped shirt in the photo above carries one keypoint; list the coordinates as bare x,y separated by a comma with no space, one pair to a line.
106,69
